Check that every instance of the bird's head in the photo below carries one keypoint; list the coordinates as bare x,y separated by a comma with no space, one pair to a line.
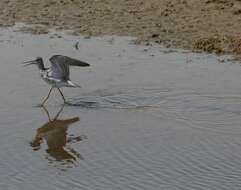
38,61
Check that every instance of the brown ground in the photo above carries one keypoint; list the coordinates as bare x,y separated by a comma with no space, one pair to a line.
209,25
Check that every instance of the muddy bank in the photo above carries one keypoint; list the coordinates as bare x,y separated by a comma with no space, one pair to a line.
209,25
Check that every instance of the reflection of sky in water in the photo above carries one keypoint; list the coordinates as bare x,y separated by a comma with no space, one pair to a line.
154,119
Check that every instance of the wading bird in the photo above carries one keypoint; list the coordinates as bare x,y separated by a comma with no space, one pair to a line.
58,74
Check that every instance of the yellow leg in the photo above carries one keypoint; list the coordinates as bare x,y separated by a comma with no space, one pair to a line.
47,96
61,95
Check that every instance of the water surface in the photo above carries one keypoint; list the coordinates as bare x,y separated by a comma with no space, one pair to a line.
145,118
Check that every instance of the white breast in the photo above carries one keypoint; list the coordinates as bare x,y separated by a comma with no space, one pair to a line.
48,78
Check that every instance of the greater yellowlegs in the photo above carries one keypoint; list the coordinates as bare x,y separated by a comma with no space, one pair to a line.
58,74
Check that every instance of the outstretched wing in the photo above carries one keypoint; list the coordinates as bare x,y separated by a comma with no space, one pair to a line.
60,65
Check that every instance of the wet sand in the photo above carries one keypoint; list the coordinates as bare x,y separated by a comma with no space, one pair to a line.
208,25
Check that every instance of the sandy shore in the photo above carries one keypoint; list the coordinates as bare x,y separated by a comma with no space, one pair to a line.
209,25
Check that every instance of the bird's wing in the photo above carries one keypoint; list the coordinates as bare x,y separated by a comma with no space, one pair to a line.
60,65
59,69
68,61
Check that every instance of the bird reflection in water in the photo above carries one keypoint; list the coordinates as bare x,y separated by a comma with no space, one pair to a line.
54,133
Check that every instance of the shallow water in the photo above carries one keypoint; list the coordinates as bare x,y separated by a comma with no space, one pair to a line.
145,118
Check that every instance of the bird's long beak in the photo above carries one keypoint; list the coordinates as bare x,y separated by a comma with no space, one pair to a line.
26,63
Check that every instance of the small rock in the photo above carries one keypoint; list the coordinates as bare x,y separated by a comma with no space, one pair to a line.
155,35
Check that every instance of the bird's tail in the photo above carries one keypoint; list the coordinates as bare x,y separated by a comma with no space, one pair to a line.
71,84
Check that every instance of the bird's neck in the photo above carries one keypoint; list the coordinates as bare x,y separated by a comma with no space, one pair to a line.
41,66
